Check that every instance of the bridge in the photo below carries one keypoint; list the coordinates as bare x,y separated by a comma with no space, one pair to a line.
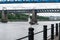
33,11
36,10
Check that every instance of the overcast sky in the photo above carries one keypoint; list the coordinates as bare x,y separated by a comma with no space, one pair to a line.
33,6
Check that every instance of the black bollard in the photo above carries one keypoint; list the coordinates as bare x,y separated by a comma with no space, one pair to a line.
18,39
52,31
56,29
31,34
59,31
45,32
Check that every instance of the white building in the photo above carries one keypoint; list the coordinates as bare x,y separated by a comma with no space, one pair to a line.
54,18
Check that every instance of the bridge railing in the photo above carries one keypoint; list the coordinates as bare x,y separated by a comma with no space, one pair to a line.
31,32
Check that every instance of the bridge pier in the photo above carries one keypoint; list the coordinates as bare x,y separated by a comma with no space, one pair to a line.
34,18
4,16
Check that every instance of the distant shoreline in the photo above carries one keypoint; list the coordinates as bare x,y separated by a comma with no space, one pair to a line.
20,21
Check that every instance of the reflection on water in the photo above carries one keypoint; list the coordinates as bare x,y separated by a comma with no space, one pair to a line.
15,30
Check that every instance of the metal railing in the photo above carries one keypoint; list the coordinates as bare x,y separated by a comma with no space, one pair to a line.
31,32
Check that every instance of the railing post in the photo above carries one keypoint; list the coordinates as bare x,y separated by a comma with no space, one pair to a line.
59,31
45,32
18,39
56,29
31,34
52,31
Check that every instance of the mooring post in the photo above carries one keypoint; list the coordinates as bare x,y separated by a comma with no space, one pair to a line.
52,31
18,39
31,34
45,32
56,29
59,31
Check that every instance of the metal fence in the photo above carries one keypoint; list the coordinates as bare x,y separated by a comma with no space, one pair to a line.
31,32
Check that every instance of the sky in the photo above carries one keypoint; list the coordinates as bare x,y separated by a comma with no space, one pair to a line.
33,6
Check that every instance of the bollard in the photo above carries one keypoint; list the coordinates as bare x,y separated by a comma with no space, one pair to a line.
18,39
45,32
56,29
31,34
59,31
52,31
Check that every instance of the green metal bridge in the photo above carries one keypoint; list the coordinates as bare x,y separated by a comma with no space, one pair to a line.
36,10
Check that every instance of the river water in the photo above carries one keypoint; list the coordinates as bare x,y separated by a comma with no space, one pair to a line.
15,30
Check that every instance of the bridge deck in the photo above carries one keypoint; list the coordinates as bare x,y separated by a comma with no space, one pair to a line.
35,10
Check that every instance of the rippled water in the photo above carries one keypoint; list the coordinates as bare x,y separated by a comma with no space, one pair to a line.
15,30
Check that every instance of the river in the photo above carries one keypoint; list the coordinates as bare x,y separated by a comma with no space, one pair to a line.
15,30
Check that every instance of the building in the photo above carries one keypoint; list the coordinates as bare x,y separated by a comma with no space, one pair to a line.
54,18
